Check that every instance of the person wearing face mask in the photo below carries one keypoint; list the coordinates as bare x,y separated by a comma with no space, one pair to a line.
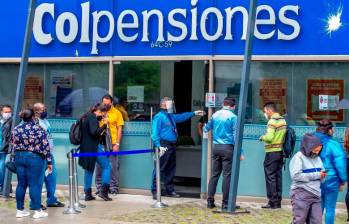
334,160
223,126
50,180
273,162
115,123
164,135
5,134
307,171
32,150
92,134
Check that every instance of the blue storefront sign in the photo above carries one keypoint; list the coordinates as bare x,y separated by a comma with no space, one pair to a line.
68,28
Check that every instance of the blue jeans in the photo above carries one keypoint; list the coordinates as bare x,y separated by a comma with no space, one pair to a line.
2,169
30,173
50,183
103,161
328,202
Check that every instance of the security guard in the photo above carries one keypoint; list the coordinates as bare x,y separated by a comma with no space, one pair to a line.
164,136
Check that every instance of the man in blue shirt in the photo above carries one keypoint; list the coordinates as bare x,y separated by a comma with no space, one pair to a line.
164,136
50,179
223,127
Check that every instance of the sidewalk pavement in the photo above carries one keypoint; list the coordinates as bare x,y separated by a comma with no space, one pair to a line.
131,209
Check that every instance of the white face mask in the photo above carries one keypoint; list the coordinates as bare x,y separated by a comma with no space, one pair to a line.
6,116
229,108
170,107
266,116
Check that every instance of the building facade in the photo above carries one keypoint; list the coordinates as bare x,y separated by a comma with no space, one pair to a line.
143,50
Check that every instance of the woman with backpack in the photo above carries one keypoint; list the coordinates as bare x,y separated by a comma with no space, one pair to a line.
334,161
91,140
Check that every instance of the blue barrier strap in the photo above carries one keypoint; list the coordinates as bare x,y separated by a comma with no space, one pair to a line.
131,152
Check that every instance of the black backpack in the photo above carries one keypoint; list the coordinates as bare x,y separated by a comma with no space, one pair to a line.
289,143
75,133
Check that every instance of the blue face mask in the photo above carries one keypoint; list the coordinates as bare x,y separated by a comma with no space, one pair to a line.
43,115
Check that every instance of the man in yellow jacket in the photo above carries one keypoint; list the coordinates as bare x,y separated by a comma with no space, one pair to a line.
115,124
273,139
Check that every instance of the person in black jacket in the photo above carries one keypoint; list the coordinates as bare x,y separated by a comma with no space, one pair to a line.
92,135
5,134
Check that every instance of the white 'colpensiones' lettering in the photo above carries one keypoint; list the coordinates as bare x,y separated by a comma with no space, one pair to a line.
189,24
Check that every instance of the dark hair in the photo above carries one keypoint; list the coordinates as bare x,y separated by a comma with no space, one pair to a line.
324,126
27,114
271,106
229,101
108,97
99,106
5,106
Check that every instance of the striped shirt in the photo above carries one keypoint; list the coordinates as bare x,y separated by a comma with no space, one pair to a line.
275,136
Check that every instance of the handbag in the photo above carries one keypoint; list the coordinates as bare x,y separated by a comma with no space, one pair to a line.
10,164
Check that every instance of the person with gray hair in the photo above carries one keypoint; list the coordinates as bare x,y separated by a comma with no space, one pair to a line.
50,180
164,135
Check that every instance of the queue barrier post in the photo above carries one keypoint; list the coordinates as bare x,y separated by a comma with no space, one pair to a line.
77,203
158,203
71,209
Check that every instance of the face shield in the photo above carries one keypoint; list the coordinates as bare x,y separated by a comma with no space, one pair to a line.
170,106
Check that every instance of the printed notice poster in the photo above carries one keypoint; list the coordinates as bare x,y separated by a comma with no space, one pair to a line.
33,91
61,86
135,94
273,90
322,99
214,99
63,79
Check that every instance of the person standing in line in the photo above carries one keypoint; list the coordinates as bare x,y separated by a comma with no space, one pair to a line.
5,135
223,126
51,179
307,171
273,139
31,146
115,123
92,134
346,148
164,136
334,160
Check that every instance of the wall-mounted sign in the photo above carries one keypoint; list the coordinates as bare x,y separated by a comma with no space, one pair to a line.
327,102
135,94
214,99
65,28
322,99
273,90
33,91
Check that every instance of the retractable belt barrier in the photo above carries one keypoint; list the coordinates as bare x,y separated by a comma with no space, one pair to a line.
131,152
74,203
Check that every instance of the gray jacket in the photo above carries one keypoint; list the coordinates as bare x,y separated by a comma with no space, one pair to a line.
305,171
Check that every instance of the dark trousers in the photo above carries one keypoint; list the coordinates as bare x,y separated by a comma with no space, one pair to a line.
273,177
222,159
167,169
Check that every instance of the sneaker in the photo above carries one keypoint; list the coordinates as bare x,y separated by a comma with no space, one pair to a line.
39,214
22,213
114,193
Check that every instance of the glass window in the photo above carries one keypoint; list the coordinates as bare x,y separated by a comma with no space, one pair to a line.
137,89
303,91
68,90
